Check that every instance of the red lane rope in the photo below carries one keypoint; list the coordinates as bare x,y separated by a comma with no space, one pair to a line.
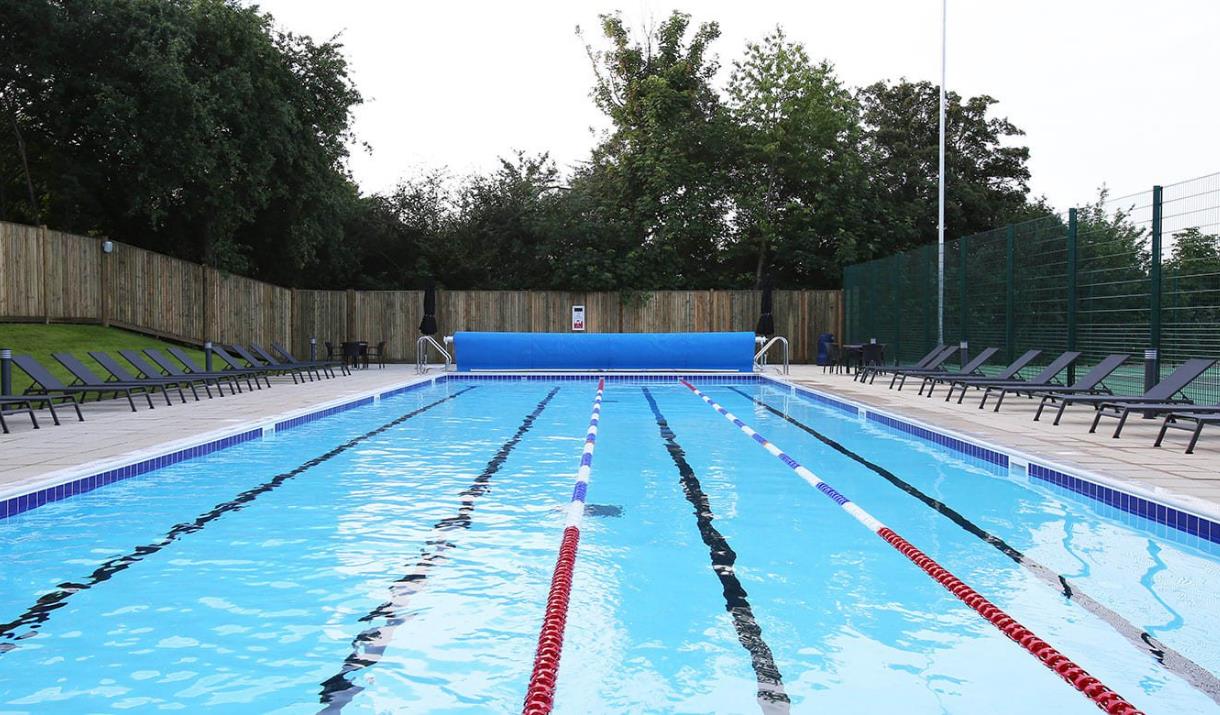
540,697
1077,677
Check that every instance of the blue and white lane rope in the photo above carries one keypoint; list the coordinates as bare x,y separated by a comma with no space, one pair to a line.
1094,689
540,697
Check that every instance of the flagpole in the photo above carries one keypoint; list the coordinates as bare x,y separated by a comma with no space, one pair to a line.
940,222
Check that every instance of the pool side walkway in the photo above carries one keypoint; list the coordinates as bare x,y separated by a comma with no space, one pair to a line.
111,431
1131,459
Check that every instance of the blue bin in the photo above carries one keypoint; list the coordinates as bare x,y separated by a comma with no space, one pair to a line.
825,340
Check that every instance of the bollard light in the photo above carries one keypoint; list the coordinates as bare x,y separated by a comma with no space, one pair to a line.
6,371
313,349
207,356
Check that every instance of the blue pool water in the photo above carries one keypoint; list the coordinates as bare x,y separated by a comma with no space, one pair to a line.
425,528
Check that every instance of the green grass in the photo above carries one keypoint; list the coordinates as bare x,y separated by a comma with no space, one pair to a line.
41,340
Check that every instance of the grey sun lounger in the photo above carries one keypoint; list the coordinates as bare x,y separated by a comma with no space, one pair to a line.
15,406
87,378
171,369
1011,372
122,374
870,372
328,365
313,368
1200,419
272,369
1161,395
49,388
1091,383
1122,408
933,365
246,373
974,367
233,364
1043,380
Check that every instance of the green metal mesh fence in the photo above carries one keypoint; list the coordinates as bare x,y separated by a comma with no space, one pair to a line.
1122,275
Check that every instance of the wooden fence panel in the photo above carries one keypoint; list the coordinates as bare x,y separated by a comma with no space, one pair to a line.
21,274
73,277
319,314
245,310
155,293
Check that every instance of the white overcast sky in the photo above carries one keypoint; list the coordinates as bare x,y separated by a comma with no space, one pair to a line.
1120,92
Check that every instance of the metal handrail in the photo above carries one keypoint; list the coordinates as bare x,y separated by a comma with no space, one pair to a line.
421,353
760,357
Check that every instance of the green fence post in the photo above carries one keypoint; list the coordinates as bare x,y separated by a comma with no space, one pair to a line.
1153,357
896,299
1071,290
1010,328
961,303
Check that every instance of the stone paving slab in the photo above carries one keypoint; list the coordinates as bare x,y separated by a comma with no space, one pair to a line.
112,432
1131,459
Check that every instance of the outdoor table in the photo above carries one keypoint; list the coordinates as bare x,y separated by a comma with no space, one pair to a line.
856,351
361,351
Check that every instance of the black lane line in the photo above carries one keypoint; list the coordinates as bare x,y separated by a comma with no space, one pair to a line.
38,614
1198,676
369,646
771,695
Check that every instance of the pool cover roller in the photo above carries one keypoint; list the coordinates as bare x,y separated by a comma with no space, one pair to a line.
604,351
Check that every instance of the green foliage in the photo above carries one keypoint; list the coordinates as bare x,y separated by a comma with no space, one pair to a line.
200,129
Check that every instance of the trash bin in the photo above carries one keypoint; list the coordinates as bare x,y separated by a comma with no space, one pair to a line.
825,340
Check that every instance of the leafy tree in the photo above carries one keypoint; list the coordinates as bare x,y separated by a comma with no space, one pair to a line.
986,180
797,179
662,163
1192,279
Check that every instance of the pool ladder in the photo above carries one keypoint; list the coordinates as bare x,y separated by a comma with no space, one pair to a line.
760,357
421,352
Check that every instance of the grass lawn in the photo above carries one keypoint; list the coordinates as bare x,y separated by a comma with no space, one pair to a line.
41,340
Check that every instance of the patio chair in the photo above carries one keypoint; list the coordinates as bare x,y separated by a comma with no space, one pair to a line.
1160,399
1090,383
233,368
871,373
122,374
933,365
272,368
1012,372
49,387
328,364
87,378
1199,418
172,369
310,369
1121,408
377,353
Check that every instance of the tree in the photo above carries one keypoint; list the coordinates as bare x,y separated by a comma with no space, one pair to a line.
797,178
662,164
986,180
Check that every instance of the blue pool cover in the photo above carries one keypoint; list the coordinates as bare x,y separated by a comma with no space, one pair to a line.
605,351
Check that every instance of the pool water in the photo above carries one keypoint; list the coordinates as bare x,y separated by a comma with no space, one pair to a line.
397,557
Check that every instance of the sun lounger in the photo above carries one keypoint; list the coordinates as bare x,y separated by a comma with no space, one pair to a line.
246,373
870,372
16,405
1161,394
317,369
1008,373
122,374
934,365
1046,378
234,364
974,367
50,389
1198,418
87,378
1091,383
327,364
173,370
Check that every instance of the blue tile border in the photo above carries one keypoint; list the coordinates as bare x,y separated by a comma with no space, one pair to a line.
1153,511
961,446
828,401
724,379
24,502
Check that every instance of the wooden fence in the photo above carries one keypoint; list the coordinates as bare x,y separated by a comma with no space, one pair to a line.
57,277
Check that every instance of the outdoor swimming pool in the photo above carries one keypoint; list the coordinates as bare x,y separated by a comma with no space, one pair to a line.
398,557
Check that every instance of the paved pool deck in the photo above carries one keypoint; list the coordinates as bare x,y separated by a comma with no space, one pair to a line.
1131,459
112,434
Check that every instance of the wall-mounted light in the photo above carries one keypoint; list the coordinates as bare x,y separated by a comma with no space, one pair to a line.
108,246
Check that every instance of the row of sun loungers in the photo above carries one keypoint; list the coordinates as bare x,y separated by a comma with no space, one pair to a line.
152,374
1166,399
